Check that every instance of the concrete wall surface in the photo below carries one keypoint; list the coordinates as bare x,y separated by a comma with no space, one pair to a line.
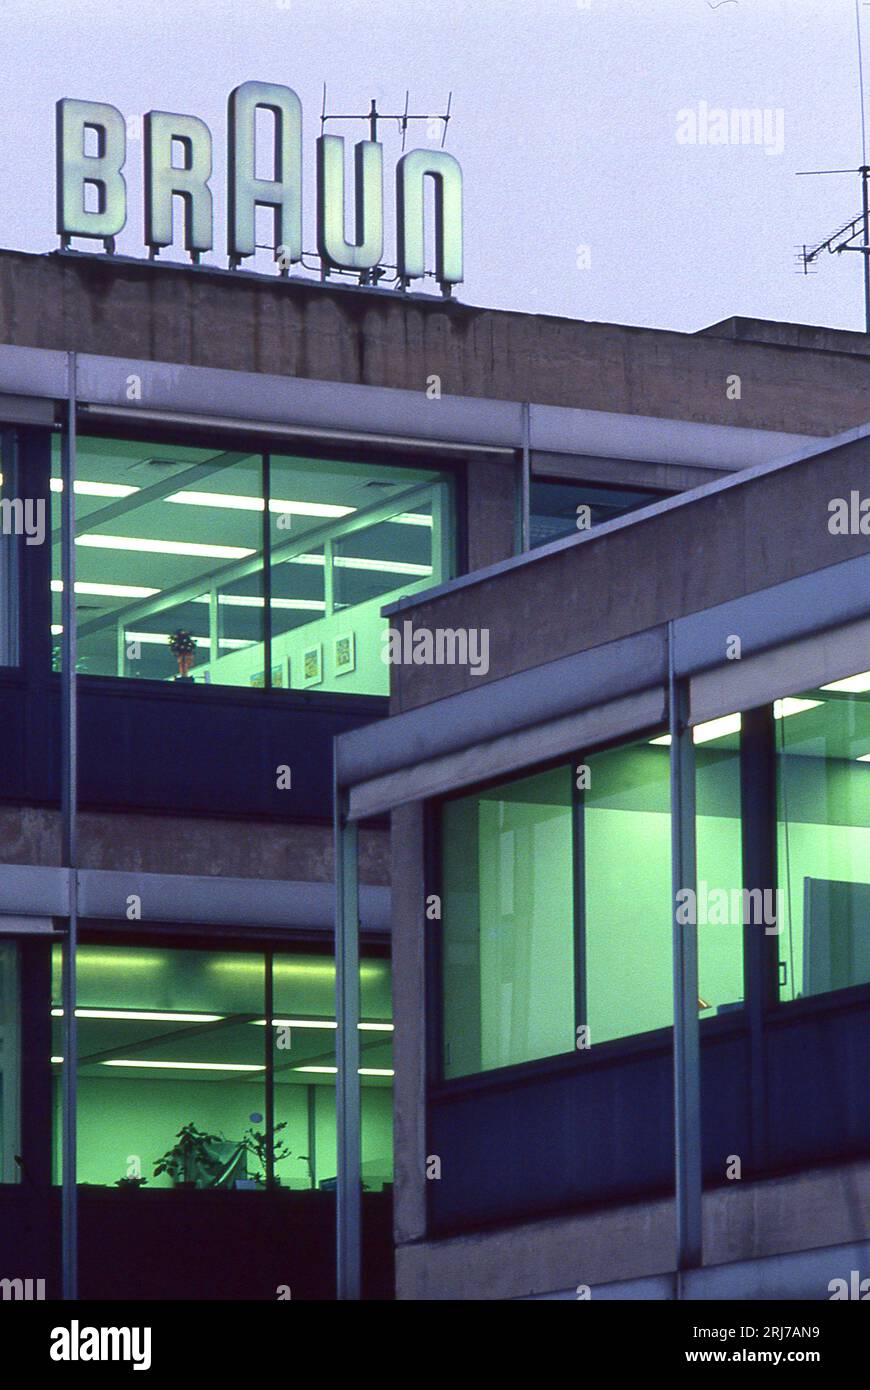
823,1206
166,844
798,379
704,550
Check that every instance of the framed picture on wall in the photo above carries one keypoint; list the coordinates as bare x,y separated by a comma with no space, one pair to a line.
344,653
312,665
259,678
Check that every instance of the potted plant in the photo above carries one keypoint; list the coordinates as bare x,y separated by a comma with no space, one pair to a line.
191,1159
256,1143
183,644
133,1184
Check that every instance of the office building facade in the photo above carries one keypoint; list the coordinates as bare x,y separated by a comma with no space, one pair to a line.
260,468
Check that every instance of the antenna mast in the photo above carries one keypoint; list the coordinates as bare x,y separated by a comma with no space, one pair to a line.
859,226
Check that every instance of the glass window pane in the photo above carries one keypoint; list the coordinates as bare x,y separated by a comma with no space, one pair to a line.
508,924
344,542
165,535
554,507
626,897
305,1070
9,1063
719,850
167,1039
173,1038
823,849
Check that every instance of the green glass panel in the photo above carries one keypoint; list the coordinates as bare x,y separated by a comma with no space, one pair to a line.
627,898
172,1037
823,841
508,925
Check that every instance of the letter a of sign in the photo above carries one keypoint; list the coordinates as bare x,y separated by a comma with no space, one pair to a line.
283,191
101,171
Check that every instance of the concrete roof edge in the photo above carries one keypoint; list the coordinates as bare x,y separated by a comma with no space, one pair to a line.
818,448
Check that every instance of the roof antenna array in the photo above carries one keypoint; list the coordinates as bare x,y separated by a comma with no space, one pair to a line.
857,229
373,115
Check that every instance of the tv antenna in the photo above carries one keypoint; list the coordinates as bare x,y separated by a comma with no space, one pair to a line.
373,115
853,235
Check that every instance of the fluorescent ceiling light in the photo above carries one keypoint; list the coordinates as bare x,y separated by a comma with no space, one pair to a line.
854,685
85,489
280,506
322,1023
56,629
363,1071
238,503
704,733
730,723
87,586
350,562
184,1066
313,605
232,643
152,547
783,708
283,968
864,758
146,1015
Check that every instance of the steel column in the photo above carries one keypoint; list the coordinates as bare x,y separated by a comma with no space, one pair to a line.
687,1087
526,490
347,1012
69,842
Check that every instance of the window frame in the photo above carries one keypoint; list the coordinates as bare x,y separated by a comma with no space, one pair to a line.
451,466
601,1054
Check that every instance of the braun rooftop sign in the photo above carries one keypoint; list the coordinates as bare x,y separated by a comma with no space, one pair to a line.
98,178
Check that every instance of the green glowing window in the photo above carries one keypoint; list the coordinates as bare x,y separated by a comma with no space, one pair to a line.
557,907
171,1038
823,841
175,540
508,929
9,1063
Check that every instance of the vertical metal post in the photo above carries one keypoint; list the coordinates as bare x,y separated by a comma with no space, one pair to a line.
214,623
266,630
347,1010
687,1081
760,947
526,491
269,1010
328,579
865,175
69,842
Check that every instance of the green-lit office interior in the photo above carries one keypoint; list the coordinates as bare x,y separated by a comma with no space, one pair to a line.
573,865
276,566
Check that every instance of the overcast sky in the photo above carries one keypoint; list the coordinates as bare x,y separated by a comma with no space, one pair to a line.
569,121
